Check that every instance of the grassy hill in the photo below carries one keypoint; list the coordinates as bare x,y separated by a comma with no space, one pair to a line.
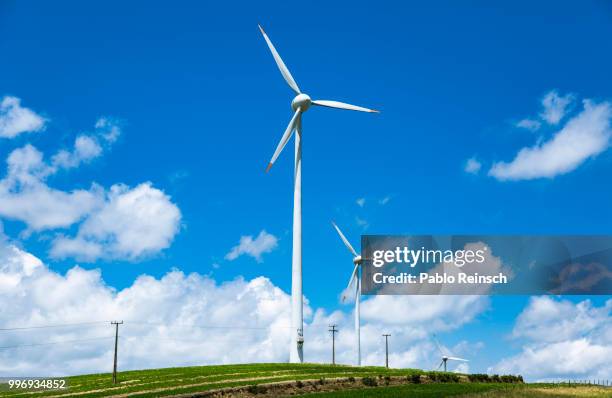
272,380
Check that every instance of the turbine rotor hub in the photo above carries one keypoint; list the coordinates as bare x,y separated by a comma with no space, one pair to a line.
301,101
357,260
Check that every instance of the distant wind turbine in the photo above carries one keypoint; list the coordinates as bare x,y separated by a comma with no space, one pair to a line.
354,280
446,356
300,104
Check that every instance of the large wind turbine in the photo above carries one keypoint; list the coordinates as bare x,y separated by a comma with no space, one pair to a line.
446,357
354,280
300,104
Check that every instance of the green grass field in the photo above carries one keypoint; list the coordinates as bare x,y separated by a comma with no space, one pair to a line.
265,380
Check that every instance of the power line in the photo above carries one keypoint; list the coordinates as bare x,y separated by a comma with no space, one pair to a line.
54,342
152,324
196,326
208,326
52,326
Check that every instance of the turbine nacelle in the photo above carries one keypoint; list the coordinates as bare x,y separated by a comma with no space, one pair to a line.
301,101
357,260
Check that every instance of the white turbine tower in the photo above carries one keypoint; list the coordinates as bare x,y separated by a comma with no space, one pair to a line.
446,356
300,104
354,280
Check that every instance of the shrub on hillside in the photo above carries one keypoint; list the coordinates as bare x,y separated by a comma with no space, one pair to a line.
369,381
415,378
443,377
484,378
478,378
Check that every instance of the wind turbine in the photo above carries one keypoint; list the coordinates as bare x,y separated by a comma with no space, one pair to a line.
356,280
445,357
300,104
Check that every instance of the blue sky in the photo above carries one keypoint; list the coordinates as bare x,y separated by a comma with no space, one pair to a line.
202,106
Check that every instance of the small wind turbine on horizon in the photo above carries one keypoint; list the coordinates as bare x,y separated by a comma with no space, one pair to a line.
446,356
300,104
356,280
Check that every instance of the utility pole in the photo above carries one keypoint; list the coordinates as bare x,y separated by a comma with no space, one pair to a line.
333,331
116,323
386,350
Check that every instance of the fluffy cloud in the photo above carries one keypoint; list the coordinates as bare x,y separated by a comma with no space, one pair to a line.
15,119
548,320
582,137
87,146
360,202
472,166
130,224
24,195
191,319
529,124
362,222
264,243
119,223
563,340
555,106
384,200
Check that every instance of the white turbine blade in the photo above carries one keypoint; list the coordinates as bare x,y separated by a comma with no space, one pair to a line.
439,366
285,138
438,345
458,359
342,105
351,281
281,65
346,242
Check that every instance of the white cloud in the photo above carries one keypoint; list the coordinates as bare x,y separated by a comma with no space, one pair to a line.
555,106
191,319
131,223
15,119
463,367
563,340
384,200
87,146
549,320
264,243
360,202
440,313
24,195
121,223
472,166
582,137
529,124
85,149
108,128
363,223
